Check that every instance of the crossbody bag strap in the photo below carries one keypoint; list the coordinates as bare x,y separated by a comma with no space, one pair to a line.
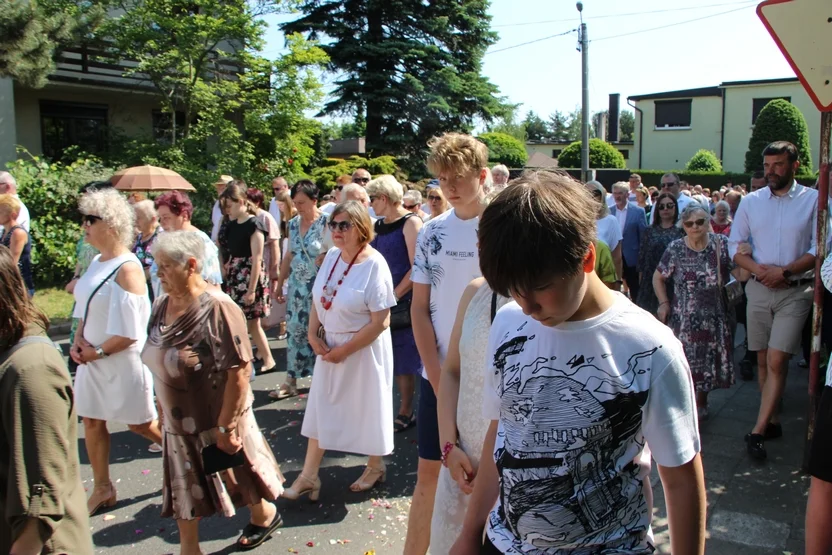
718,263
99,286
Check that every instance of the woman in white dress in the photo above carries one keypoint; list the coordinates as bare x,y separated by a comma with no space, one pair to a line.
461,425
111,300
351,399
609,230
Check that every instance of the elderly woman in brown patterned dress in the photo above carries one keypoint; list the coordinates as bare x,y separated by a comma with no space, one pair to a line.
200,355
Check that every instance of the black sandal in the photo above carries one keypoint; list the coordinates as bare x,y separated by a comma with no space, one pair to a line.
256,535
404,422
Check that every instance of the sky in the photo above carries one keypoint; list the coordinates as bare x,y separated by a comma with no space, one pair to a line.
667,45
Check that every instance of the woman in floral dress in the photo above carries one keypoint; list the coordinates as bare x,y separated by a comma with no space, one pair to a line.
306,234
697,263
147,224
654,242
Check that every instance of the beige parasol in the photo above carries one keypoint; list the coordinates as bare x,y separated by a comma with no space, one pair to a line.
150,178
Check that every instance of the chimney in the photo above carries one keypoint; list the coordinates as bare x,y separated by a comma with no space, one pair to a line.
615,100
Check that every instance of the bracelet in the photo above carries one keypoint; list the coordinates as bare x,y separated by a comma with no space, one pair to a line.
446,450
665,302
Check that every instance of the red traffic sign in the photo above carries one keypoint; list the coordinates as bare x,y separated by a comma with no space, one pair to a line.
802,30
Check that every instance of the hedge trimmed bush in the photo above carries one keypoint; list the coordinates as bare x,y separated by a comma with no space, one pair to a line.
505,149
325,175
779,120
704,161
601,155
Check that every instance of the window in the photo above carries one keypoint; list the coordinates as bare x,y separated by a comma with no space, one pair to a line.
163,125
625,153
760,103
556,152
64,125
673,113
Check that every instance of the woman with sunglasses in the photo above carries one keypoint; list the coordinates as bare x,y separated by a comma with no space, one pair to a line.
111,384
437,202
412,202
699,265
351,398
654,242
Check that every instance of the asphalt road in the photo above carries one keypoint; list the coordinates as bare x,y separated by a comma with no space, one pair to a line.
340,522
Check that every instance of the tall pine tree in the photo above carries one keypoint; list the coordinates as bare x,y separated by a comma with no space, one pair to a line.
412,67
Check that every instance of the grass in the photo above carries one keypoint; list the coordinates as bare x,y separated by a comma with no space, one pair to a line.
55,303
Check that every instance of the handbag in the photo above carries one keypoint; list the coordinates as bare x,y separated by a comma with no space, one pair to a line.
731,293
400,315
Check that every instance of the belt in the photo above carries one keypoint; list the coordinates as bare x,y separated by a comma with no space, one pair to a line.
793,283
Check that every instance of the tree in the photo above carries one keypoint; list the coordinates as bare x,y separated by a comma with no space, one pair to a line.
779,120
505,149
536,128
31,32
704,161
627,126
508,125
601,155
559,126
412,67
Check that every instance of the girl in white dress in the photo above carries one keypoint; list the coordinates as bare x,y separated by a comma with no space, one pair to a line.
462,427
351,398
111,299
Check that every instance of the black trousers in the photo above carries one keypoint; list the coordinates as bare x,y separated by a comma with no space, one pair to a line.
489,549
631,278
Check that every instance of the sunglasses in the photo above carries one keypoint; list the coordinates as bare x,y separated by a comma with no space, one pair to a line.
433,198
666,206
340,226
89,219
339,187
364,180
699,223
373,198
410,206
596,193
667,185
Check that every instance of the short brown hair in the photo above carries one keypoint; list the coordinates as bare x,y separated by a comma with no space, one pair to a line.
358,216
537,229
635,176
456,153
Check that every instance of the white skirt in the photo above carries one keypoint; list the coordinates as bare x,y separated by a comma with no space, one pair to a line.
350,405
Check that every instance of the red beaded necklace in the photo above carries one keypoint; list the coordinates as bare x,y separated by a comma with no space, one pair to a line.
332,291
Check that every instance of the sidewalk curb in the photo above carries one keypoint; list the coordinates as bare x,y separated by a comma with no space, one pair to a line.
59,330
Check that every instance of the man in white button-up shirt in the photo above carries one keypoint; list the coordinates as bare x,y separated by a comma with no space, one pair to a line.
778,222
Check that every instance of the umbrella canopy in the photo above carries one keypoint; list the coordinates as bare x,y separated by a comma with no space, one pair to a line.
150,178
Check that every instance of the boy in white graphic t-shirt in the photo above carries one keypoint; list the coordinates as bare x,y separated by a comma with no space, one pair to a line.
581,388
445,263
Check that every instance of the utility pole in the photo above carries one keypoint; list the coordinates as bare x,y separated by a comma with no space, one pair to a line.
583,47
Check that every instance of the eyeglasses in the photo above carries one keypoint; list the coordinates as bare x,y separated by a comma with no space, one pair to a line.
89,219
373,198
410,206
340,226
363,180
434,198
596,193
699,223
339,187
666,206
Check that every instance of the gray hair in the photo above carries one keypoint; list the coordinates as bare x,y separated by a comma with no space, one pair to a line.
386,185
689,211
725,205
675,177
701,199
500,169
180,246
621,186
354,188
8,179
114,210
146,208
414,195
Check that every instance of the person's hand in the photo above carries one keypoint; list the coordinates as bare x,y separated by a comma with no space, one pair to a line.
336,355
771,277
229,443
279,293
318,345
88,353
273,287
75,354
744,248
70,287
248,298
664,312
461,469
466,544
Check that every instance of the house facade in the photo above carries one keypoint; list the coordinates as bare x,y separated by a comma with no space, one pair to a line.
552,149
671,126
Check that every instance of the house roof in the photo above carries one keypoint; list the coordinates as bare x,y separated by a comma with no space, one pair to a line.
759,82
685,93
540,160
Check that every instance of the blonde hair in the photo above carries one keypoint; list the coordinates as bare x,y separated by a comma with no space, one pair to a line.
10,203
358,216
388,186
457,154
114,210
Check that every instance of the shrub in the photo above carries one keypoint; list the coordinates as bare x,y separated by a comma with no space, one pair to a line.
779,120
601,155
505,149
704,161
325,175
50,192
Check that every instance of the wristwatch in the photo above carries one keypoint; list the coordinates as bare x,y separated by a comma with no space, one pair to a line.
100,352
224,430
787,274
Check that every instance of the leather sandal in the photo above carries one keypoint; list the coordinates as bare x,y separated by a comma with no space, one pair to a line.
256,534
369,478
304,485
285,391
98,501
